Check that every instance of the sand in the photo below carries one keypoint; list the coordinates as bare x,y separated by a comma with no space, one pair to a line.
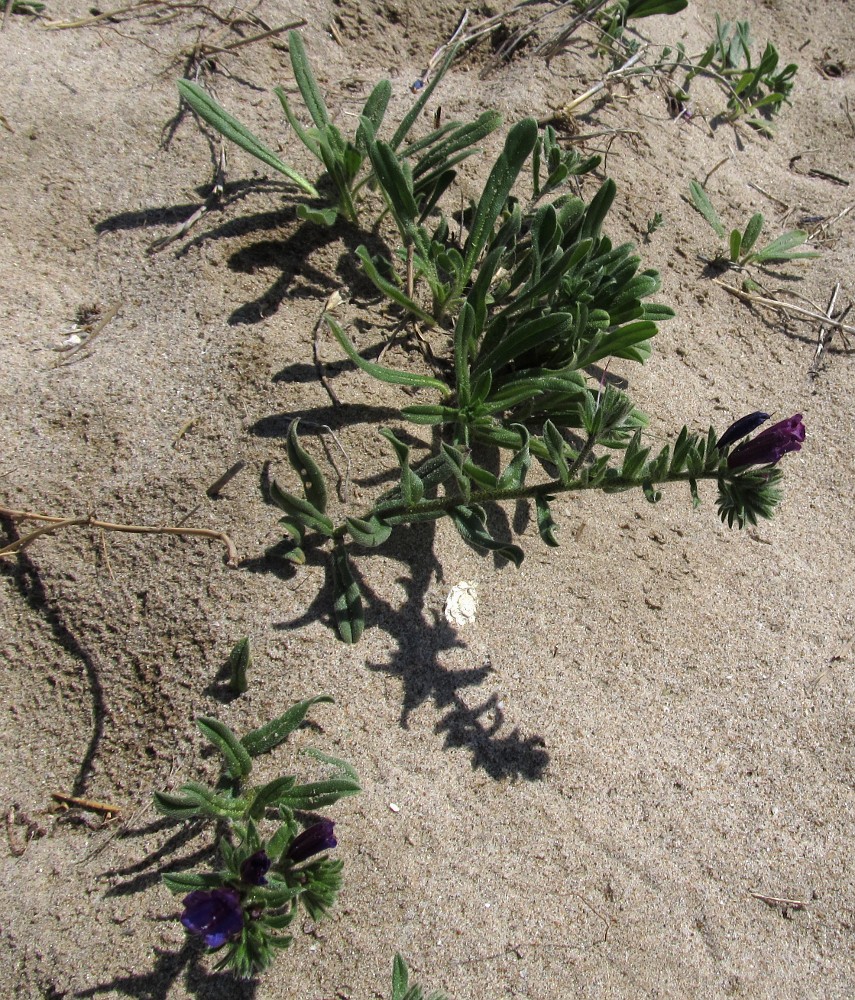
598,788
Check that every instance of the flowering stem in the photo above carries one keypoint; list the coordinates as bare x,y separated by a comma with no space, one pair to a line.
440,505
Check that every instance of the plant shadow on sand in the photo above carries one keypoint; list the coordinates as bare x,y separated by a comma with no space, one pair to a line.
169,967
420,643
288,253
189,962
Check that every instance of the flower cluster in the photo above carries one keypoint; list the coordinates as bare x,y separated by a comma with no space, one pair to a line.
218,915
769,447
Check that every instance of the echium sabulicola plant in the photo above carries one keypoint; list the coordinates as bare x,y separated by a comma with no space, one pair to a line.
245,907
533,305
450,483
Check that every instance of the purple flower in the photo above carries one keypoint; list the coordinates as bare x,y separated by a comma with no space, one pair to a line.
770,445
313,840
253,870
215,914
742,427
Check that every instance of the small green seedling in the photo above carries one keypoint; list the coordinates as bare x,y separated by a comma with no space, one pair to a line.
751,87
238,664
401,988
741,245
653,224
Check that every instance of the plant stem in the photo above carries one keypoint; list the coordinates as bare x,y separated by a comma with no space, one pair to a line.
442,505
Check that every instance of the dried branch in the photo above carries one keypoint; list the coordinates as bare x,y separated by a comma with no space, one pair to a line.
54,523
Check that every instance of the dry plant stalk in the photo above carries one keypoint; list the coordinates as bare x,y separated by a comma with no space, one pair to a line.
54,523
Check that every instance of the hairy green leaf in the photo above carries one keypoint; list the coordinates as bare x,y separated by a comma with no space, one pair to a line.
307,469
210,111
269,736
347,599
238,761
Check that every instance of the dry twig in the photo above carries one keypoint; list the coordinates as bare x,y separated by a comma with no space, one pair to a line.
793,904
332,302
53,523
798,312
90,805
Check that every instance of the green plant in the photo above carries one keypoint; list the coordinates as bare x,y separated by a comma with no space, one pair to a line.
534,297
469,489
530,301
245,906
401,988
741,244
653,224
751,87
428,162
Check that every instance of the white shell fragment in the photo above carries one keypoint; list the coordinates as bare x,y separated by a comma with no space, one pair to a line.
461,604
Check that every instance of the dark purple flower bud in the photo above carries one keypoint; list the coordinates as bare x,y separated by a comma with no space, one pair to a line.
215,914
253,870
740,428
311,841
770,445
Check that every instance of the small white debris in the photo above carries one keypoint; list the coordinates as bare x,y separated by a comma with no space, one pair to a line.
394,807
72,341
461,604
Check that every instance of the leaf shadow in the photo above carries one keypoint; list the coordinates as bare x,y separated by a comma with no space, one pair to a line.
169,966
417,660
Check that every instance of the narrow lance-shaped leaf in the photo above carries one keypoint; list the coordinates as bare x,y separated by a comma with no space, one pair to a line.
306,81
347,599
263,740
210,111
513,477
394,184
176,806
302,510
456,463
184,882
412,486
518,146
781,248
373,114
212,804
598,209
704,206
545,523
380,372
370,533
735,244
237,758
460,141
400,978
311,477
237,665
318,794
752,231
557,447
270,795
471,522
392,292
463,339
410,117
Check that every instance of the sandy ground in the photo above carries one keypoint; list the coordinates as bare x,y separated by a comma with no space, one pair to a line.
640,730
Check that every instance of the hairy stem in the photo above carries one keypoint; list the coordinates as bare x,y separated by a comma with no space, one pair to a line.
442,505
